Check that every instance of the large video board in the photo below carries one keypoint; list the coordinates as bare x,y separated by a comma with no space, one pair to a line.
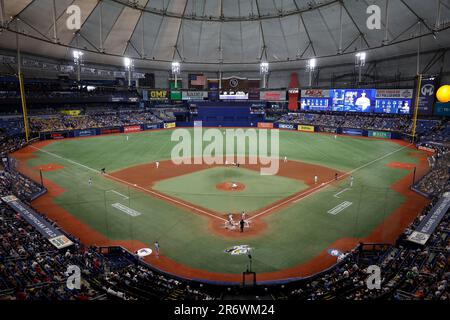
391,101
353,100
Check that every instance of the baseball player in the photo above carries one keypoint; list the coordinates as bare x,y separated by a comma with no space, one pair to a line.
157,249
127,137
157,164
285,159
351,181
90,181
315,179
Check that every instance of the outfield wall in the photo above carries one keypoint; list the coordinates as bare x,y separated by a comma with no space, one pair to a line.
54,135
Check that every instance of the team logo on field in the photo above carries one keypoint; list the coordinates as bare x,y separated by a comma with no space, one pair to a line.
238,250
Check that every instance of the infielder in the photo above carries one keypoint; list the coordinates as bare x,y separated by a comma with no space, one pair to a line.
157,249
157,164
351,181
315,179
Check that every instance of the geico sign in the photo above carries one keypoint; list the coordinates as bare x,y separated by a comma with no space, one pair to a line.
158,94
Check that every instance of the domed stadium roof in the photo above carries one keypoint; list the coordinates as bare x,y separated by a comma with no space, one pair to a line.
233,34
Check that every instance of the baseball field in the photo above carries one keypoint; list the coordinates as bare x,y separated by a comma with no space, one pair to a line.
294,222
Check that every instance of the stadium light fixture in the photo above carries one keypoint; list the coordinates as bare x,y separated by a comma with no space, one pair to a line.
264,70
128,63
311,67
176,70
360,61
264,67
77,56
78,61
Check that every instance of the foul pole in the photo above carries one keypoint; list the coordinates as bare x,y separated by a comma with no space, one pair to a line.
416,107
24,107
22,89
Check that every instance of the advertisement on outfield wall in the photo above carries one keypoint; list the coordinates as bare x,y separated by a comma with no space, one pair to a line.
57,135
85,133
109,130
305,128
198,123
170,125
267,125
380,134
287,126
150,126
352,132
328,129
278,95
132,129
194,95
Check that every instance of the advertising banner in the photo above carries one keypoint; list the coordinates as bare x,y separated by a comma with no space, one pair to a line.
198,123
328,129
305,128
157,94
85,133
315,93
150,126
279,95
394,93
352,132
268,125
428,224
194,95
442,109
426,149
287,126
109,130
54,236
380,134
132,129
57,135
73,113
169,125
426,96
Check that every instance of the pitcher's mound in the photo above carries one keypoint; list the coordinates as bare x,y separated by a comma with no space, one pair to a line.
230,186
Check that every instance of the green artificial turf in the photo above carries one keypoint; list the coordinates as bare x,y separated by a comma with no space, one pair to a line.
294,234
200,189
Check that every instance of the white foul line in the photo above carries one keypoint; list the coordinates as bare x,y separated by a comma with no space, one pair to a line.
118,193
134,185
342,191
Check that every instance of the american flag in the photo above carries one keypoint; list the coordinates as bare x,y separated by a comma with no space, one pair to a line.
198,79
